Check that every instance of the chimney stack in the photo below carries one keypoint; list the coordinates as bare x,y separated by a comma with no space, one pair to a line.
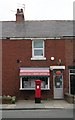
19,15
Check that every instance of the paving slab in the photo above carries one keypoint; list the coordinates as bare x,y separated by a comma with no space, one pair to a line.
30,104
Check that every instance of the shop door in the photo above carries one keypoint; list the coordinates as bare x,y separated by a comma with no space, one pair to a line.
58,86
72,84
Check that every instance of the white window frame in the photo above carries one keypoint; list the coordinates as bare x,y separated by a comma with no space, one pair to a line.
46,88
38,57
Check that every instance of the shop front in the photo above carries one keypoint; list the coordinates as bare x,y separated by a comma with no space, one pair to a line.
28,76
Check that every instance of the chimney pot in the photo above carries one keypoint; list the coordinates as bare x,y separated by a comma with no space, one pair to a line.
17,10
21,10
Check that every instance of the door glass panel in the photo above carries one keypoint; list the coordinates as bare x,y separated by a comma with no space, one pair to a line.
58,81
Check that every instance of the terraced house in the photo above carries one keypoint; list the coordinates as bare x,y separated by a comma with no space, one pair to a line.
41,50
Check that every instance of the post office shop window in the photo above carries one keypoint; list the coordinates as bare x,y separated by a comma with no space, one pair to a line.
28,83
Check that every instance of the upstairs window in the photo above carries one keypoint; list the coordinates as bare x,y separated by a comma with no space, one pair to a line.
38,48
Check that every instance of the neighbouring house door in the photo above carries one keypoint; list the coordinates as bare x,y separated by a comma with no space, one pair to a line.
72,84
58,85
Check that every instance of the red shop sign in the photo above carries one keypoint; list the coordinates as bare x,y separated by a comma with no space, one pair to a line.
58,72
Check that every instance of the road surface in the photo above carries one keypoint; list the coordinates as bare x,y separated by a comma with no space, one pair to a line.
51,113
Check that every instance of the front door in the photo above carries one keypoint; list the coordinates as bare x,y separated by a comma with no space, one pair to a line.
58,85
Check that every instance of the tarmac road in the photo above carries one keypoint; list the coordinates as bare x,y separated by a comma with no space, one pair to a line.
51,113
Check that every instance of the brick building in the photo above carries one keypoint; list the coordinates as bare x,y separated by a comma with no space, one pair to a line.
37,50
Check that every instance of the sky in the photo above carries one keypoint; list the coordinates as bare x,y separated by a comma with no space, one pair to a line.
37,9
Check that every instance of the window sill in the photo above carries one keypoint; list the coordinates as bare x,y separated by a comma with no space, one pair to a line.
38,58
33,89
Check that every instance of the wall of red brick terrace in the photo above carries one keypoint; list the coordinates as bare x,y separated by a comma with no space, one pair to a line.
69,61
22,50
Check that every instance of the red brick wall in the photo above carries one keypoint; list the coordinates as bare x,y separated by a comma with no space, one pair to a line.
13,50
22,50
55,48
69,61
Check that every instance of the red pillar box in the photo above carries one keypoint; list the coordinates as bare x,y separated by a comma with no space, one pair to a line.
37,91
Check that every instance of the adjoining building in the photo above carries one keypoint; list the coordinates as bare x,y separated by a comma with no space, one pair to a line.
38,50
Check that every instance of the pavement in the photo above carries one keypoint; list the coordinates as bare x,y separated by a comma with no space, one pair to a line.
30,105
